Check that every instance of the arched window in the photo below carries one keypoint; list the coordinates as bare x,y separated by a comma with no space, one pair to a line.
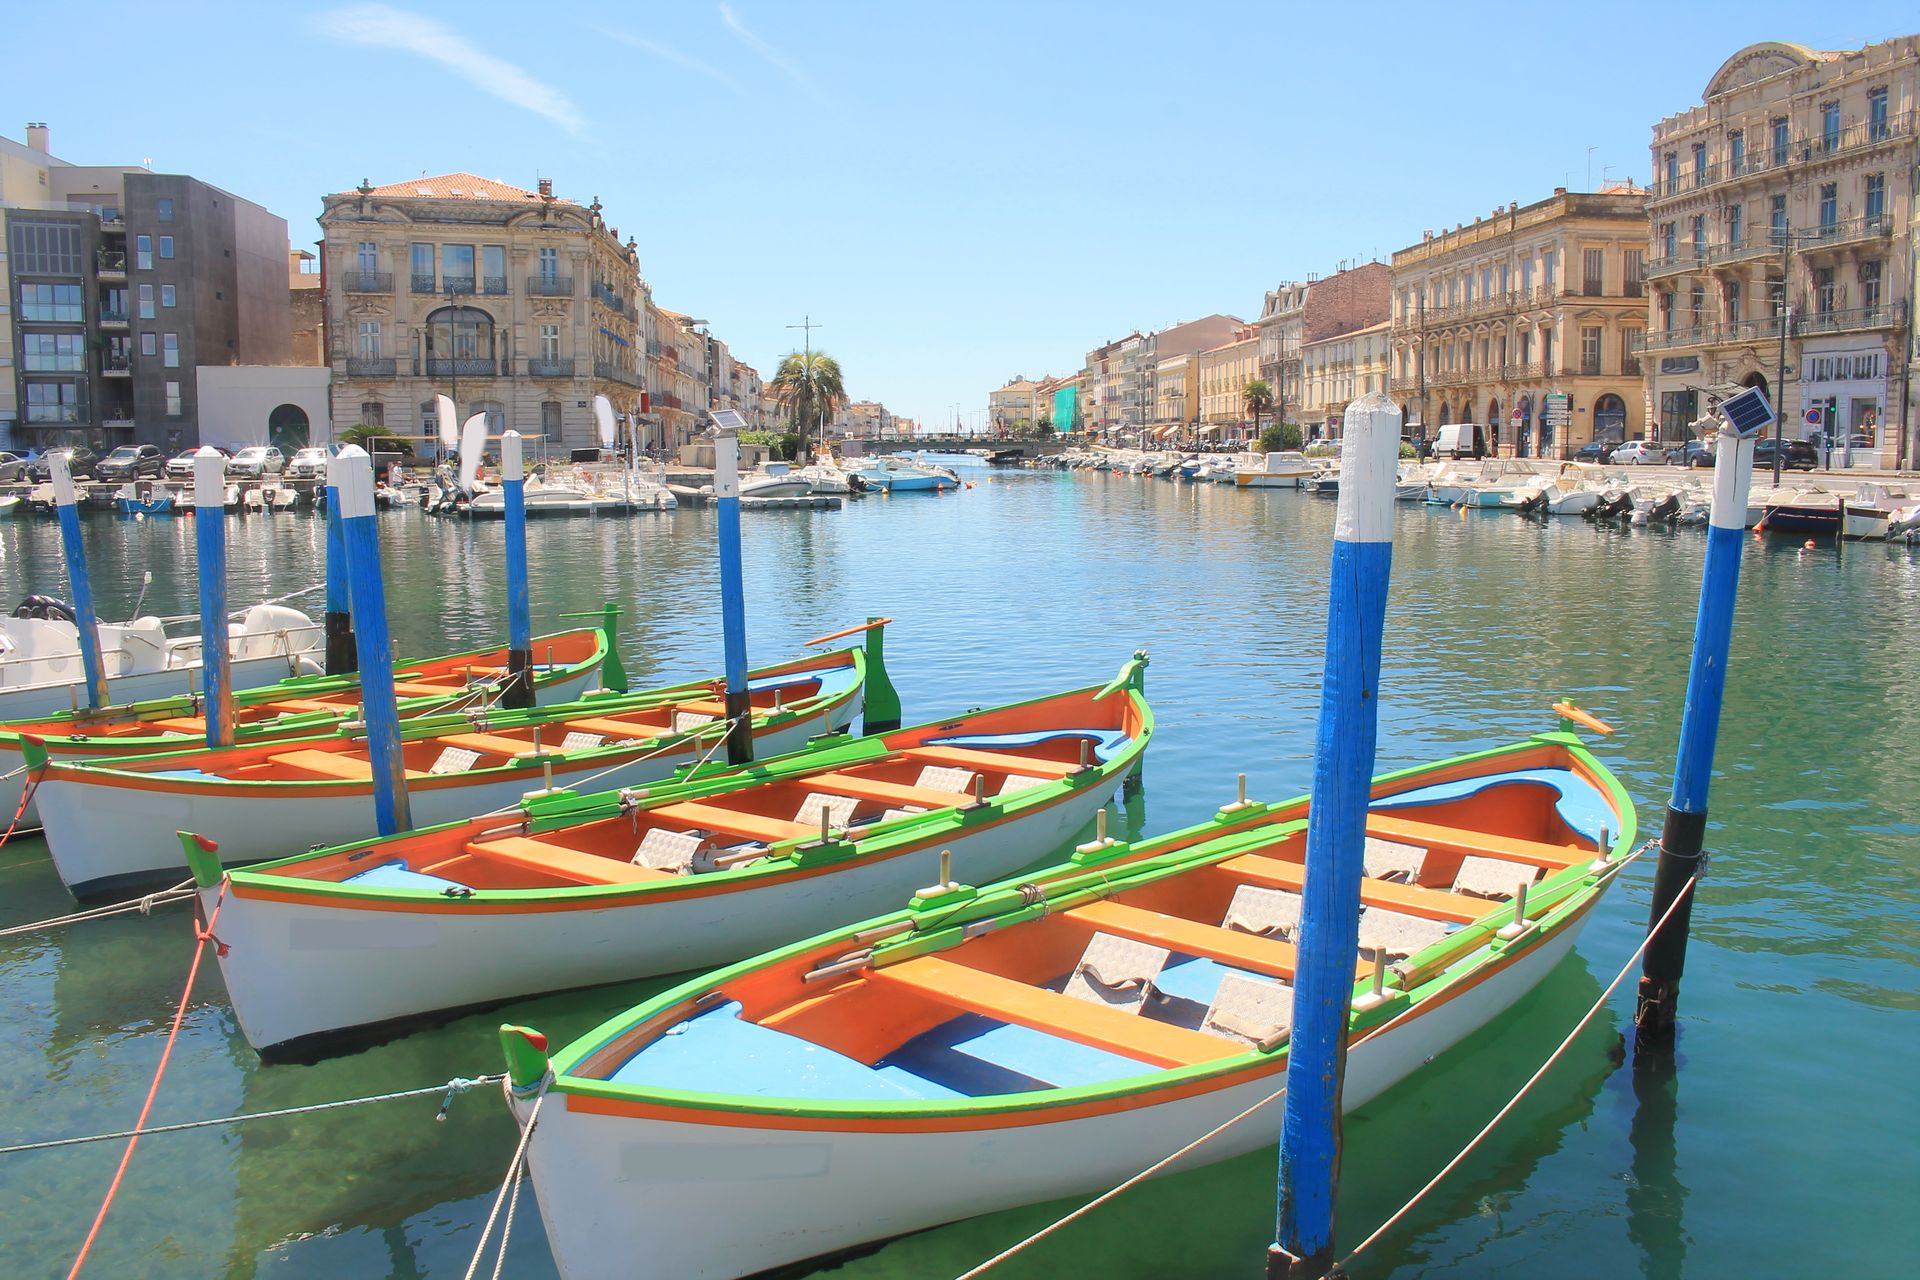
1446,414
460,341
496,414
1610,418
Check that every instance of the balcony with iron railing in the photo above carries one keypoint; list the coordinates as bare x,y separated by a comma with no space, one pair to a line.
555,368
1745,249
609,299
370,366
459,286
1850,319
1730,333
545,286
425,282
1832,235
1855,137
460,367
1684,260
495,285
1805,149
372,282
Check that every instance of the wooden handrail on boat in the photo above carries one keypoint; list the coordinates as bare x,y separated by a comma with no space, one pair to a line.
1127,1034
544,856
1434,904
1248,951
1478,843
995,761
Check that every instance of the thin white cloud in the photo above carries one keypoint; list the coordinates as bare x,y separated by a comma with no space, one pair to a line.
383,27
668,53
761,47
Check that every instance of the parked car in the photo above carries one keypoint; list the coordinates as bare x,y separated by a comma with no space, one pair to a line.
311,463
1698,453
12,468
180,465
258,461
1795,455
1638,453
130,462
80,463
1595,451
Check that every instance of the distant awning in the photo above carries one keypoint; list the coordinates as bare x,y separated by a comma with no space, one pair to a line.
1211,429
616,337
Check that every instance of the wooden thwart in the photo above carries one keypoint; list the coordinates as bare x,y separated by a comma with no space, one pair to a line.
334,764
992,761
1241,950
1454,840
1126,1034
894,793
1435,904
618,730
541,855
487,743
732,821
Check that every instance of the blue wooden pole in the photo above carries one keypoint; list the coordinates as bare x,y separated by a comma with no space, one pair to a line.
78,585
1329,935
339,622
513,485
210,536
733,596
1683,834
351,475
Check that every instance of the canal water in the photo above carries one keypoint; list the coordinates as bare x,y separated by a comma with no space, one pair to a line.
1788,1136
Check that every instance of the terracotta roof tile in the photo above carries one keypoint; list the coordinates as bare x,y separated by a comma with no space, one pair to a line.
458,186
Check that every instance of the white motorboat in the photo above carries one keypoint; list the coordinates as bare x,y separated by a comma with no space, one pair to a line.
1281,469
41,671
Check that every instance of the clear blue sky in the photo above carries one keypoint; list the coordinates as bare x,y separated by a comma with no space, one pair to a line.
958,192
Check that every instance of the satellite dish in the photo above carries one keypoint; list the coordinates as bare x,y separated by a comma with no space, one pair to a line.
603,416
473,443
448,418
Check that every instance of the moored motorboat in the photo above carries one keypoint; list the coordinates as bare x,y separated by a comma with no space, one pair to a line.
702,869
988,1048
567,666
1279,469
108,823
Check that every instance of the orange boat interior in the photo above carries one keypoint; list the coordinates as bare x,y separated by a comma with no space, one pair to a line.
1175,971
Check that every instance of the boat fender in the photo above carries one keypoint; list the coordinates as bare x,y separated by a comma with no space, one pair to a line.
48,608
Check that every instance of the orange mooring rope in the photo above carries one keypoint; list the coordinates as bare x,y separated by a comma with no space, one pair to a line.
201,938
26,797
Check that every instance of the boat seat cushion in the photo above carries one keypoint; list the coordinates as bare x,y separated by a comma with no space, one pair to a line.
688,721
1249,1009
1019,782
1391,860
1493,878
1400,934
579,741
395,875
936,777
670,851
454,760
820,807
1270,913
1116,972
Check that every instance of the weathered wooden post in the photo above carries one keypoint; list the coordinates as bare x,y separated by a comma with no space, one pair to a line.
513,476
210,538
1742,418
351,474
79,586
1336,838
733,596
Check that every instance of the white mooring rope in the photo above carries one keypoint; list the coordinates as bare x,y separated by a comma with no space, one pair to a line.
144,905
1221,1128
511,1181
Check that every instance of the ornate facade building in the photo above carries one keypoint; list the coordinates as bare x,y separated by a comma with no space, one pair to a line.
1781,216
518,304
1494,321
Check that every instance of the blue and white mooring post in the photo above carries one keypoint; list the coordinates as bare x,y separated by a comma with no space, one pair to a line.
210,539
733,595
78,584
513,486
1741,419
350,476
1329,937
339,621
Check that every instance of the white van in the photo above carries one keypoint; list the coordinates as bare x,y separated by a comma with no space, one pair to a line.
1459,440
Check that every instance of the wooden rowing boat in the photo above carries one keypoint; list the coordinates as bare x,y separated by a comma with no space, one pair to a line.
570,664
110,824
989,1048
703,869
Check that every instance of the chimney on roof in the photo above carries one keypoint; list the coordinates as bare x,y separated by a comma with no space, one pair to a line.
1559,191
546,187
37,136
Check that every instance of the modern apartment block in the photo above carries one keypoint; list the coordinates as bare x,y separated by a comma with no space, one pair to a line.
1496,321
119,284
1782,208
517,304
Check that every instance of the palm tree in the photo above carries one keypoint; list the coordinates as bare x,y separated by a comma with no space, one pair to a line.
809,387
1258,396
366,435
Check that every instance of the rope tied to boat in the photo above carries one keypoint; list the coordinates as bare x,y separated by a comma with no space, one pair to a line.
26,798
1612,869
144,905
509,1193
676,742
201,937
451,1090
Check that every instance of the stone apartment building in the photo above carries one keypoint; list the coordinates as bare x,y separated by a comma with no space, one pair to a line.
1015,403
1297,313
1790,189
1336,370
1220,376
1529,302
517,304
121,284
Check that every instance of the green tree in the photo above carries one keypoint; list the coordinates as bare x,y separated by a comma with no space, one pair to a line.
1281,437
809,388
1258,397
366,435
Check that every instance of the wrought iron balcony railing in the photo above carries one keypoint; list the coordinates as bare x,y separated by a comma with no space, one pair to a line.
544,286
367,281
370,366
550,368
